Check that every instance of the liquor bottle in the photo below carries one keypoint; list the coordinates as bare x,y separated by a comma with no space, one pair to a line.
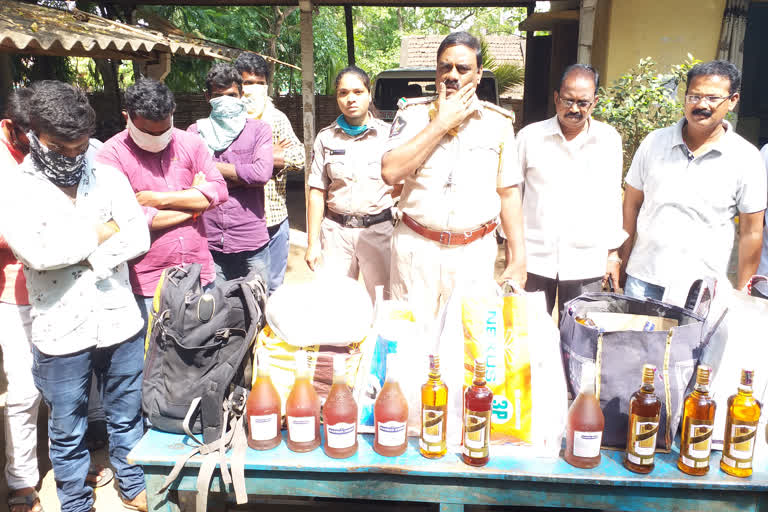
390,415
340,415
740,429
698,417
584,429
263,408
302,410
434,404
476,423
644,413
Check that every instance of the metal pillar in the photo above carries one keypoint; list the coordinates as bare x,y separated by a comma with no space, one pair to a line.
350,35
307,81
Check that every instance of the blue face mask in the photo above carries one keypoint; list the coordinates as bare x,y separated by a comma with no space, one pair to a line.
227,120
352,131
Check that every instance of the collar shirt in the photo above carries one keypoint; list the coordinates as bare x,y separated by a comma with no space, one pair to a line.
571,198
172,169
79,290
455,188
685,227
275,192
763,268
13,288
238,224
349,169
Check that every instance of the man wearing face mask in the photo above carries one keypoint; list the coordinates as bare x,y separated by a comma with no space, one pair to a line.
74,224
242,149
175,179
456,158
686,184
572,195
288,153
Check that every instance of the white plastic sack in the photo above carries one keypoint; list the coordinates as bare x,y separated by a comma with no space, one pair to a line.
328,310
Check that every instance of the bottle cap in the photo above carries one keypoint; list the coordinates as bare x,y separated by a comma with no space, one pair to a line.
747,376
434,363
479,369
703,373
262,358
649,373
392,362
302,364
587,382
340,365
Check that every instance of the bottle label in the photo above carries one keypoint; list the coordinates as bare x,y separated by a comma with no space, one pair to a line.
432,424
263,428
341,435
586,444
391,433
477,430
740,444
695,452
642,439
301,429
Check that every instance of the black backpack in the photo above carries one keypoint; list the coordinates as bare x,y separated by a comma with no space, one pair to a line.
198,367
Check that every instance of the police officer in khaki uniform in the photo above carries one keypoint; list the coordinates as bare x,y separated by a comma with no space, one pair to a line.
350,206
457,160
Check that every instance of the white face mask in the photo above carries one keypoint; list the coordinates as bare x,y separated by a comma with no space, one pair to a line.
255,97
147,142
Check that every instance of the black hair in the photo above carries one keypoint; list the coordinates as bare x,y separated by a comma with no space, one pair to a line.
60,110
149,99
359,73
17,107
581,69
252,63
222,76
721,68
464,39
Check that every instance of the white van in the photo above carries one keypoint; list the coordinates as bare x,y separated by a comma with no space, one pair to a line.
393,84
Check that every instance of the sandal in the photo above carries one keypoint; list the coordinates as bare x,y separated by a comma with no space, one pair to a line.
29,500
99,476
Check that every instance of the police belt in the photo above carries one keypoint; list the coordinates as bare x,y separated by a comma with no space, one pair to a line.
450,237
359,221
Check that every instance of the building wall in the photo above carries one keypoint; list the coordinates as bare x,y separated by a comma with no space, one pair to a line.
666,30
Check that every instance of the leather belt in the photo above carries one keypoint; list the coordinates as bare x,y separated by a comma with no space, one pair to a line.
450,237
359,221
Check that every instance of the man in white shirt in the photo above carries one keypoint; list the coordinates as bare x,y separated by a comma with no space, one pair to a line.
572,196
686,184
762,269
74,224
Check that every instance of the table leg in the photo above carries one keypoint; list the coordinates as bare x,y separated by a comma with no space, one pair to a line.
451,507
161,502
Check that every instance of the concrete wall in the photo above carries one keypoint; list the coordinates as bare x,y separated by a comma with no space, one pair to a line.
666,30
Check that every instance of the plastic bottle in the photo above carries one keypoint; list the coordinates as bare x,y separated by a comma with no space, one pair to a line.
390,415
302,410
263,408
584,430
340,415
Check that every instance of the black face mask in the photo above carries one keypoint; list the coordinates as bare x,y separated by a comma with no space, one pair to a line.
62,171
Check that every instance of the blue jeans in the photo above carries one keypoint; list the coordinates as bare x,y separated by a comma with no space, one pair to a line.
64,382
240,264
279,245
640,289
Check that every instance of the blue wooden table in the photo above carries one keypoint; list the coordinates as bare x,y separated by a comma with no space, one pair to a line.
449,482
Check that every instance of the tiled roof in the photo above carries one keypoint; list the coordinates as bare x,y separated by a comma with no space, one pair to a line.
421,50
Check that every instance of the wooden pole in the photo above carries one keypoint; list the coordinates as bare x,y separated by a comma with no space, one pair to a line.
350,35
307,84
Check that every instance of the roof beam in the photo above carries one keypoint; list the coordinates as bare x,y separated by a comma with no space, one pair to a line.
378,3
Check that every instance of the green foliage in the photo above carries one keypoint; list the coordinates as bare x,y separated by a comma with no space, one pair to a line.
643,100
508,75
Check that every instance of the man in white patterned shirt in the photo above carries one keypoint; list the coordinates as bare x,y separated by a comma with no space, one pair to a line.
288,156
74,224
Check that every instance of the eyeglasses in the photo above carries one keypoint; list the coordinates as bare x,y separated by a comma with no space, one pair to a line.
693,99
582,104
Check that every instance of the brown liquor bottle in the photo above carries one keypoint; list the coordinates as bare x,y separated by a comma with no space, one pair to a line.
390,415
434,404
584,429
263,408
644,412
476,424
340,414
741,429
698,418
302,410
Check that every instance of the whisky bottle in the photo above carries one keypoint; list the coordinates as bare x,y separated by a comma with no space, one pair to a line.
644,412
476,424
698,418
584,429
434,404
740,429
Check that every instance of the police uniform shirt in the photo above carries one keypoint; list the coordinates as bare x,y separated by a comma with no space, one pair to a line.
455,188
349,169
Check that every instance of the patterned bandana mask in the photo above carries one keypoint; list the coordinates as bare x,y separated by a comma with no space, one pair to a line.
227,120
62,171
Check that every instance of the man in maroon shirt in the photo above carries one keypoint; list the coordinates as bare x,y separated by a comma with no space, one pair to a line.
242,148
